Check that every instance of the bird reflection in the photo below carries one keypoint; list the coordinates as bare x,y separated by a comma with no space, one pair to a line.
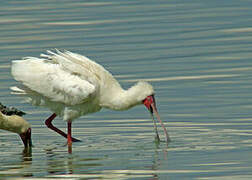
160,156
70,165
26,162
27,154
56,163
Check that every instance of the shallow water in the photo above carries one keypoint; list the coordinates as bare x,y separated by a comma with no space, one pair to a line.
197,55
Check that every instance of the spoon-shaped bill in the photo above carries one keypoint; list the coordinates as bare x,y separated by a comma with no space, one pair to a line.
150,103
155,128
160,121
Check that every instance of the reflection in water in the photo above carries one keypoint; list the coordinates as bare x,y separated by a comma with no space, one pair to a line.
17,165
55,162
73,166
27,161
59,163
159,156
27,154
70,165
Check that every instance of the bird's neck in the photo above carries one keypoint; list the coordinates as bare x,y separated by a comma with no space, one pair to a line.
120,99
13,123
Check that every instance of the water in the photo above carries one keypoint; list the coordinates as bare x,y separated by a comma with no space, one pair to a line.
197,55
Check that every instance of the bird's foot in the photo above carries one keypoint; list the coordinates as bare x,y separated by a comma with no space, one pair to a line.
75,140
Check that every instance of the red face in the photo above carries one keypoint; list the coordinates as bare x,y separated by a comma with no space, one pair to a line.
149,101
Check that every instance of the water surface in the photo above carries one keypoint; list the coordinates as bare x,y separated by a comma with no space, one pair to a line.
197,55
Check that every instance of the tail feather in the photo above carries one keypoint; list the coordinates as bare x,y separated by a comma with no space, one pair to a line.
17,90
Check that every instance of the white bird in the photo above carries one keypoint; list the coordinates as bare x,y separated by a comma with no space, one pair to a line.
17,124
71,85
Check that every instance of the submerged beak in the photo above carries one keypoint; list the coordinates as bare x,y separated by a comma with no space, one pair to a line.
26,138
150,103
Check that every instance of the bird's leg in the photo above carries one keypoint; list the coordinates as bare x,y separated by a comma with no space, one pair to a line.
49,124
69,137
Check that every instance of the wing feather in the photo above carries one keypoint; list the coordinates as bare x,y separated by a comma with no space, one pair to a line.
78,64
51,81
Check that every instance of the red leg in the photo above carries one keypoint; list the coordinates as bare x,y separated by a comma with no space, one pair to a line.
69,137
49,124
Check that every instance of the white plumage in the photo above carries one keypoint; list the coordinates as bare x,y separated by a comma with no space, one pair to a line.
72,85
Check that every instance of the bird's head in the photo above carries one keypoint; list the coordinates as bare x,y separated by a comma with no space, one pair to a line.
19,125
26,138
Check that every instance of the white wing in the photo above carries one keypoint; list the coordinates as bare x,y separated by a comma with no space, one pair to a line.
51,81
77,64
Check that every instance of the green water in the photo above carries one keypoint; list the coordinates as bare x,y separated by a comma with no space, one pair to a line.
197,55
